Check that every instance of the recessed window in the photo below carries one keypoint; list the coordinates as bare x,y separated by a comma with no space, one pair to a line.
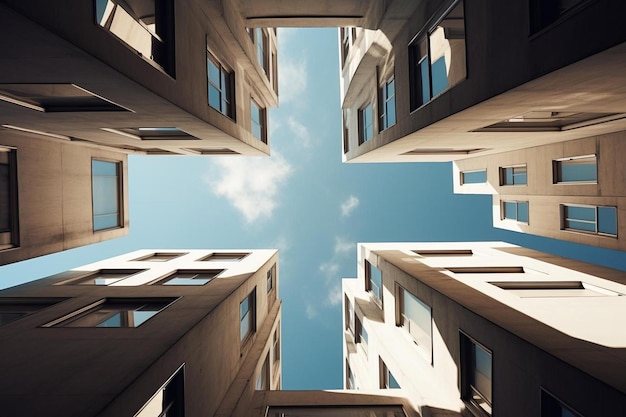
346,132
221,85
361,335
366,124
214,151
276,346
387,380
344,34
580,169
443,151
224,257
189,277
349,316
106,193
515,175
553,407
437,58
104,277
601,220
487,270
270,278
548,289
550,121
350,381
387,105
474,177
515,210
151,133
55,98
9,218
476,374
261,48
263,380
12,309
145,26
169,400
374,282
159,257
258,121
445,252
247,316
114,312
416,319
545,12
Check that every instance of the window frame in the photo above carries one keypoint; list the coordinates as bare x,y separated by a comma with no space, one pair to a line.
403,321
92,274
545,397
119,192
271,273
23,307
463,181
564,219
370,285
262,122
466,387
227,76
250,316
557,170
173,275
11,235
503,214
177,379
515,181
384,102
361,336
364,126
261,39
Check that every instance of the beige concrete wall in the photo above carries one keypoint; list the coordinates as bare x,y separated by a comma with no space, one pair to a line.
54,195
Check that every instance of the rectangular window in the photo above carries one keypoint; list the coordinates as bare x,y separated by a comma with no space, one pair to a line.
545,12
104,277
487,270
474,177
169,400
346,132
344,34
221,86
261,48
387,105
374,282
106,193
258,125
145,26
349,316
159,257
553,407
548,289
189,277
444,252
387,380
580,169
366,124
247,316
270,278
589,219
515,210
114,312
515,175
437,58
350,381
476,374
276,346
224,257
12,309
361,337
263,379
416,318
9,231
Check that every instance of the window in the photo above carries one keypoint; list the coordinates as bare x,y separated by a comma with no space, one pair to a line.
159,257
474,177
553,407
247,316
541,289
349,316
374,282
224,257
437,58
263,380
276,346
169,400
476,383
12,309
579,169
261,48
258,121
515,175
104,277
387,380
589,219
515,210
114,312
346,132
416,319
145,26
151,133
350,381
487,270
366,124
221,84
189,277
444,252
550,121
361,335
387,105
270,278
9,230
344,34
106,194
341,410
545,12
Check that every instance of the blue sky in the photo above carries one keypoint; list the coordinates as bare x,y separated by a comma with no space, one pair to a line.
302,201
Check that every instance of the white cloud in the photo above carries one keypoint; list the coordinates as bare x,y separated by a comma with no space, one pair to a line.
292,81
348,206
252,184
334,295
330,269
311,313
343,246
300,131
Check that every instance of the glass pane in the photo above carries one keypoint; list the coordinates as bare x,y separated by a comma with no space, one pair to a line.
508,176
607,220
419,314
214,72
439,75
482,371
522,212
214,97
5,202
139,317
578,225
577,170
103,168
425,80
392,381
474,177
581,213
243,308
391,112
520,175
245,326
447,51
186,281
113,321
104,195
510,210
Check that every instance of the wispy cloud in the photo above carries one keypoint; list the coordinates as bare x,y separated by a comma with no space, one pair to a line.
251,185
343,246
348,206
292,67
334,295
311,312
300,131
329,269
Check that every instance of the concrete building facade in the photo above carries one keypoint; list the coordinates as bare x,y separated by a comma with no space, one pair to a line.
485,328
149,333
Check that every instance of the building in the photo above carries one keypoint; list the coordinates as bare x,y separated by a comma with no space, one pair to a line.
191,333
450,79
486,328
